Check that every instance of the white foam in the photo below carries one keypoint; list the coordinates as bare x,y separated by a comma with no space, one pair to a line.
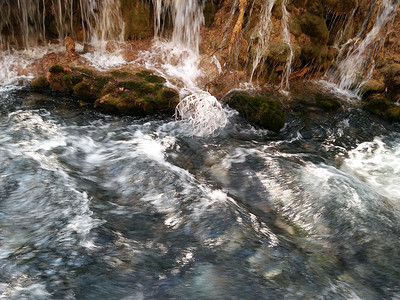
377,164
203,112
104,60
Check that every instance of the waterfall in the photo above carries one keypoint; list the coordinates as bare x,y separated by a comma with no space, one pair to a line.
356,59
286,37
261,35
187,18
23,23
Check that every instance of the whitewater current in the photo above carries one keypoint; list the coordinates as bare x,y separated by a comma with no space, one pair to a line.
111,207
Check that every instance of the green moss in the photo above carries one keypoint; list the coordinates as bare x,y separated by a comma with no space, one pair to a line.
40,83
264,112
108,88
139,87
315,27
71,80
84,91
84,71
121,74
100,82
56,69
393,113
384,108
210,9
138,19
150,77
295,27
279,51
372,86
277,11
327,103
168,96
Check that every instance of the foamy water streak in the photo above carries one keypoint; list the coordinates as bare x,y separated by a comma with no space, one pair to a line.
377,164
15,65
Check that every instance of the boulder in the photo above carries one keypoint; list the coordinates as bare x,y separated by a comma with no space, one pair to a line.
265,112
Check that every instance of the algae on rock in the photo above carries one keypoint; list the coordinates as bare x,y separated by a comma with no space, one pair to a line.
262,111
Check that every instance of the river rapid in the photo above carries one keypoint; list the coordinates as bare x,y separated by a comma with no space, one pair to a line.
94,206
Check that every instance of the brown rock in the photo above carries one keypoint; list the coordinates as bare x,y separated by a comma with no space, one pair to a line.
69,47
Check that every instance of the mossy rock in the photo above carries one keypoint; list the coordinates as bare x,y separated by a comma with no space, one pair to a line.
130,102
140,88
295,27
168,98
327,103
40,84
384,108
279,51
71,80
393,113
85,91
121,74
315,27
138,19
56,69
264,112
372,86
150,77
210,9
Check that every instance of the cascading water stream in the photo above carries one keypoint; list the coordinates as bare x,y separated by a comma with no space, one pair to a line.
261,41
187,18
286,38
261,36
23,22
356,59
180,59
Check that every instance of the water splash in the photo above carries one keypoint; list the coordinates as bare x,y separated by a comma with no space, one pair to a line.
179,59
356,59
203,112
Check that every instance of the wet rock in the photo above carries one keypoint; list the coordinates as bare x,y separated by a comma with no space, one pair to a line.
70,47
139,23
143,94
262,111
327,103
372,86
40,84
88,48
341,6
384,108
120,91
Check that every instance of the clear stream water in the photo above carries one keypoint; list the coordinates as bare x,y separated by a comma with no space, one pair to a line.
94,206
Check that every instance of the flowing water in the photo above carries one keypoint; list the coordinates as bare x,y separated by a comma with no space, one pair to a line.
94,206
110,207
356,59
